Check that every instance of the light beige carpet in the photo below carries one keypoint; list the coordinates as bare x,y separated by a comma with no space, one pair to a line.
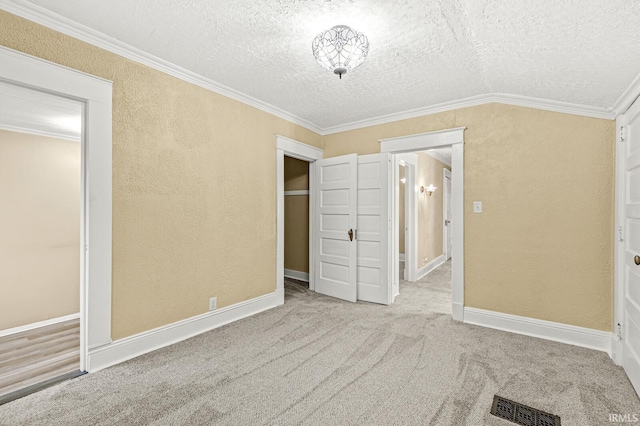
320,361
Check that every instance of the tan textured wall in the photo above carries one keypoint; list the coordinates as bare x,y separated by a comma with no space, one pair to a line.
543,248
296,215
194,194
401,202
430,209
39,228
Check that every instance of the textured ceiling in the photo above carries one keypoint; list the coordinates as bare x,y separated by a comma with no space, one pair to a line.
422,53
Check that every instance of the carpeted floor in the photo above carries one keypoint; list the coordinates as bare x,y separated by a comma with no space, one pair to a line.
320,361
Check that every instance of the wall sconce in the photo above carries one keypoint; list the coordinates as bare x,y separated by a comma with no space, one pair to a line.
429,189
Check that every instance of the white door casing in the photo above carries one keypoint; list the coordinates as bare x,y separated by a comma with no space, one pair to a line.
424,141
410,163
447,213
374,228
301,151
335,218
628,271
96,93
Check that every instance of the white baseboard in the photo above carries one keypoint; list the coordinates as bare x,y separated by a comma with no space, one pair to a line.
401,257
457,311
142,343
433,264
38,324
296,275
558,332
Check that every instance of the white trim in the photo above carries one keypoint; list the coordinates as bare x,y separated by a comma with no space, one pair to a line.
446,197
148,341
298,150
301,151
95,262
37,132
420,142
39,324
557,332
438,156
401,256
617,350
71,28
81,32
430,266
620,247
627,97
296,275
423,141
410,163
296,193
499,98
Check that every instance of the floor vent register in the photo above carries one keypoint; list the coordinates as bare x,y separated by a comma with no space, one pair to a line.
521,414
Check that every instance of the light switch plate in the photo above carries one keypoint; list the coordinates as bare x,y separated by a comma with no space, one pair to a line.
477,206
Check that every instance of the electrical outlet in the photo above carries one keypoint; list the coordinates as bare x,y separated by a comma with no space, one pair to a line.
213,303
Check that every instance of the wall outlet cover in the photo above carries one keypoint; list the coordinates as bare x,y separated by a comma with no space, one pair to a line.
213,303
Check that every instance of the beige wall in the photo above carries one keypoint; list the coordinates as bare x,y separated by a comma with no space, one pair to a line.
543,247
194,194
401,202
430,209
39,228
296,215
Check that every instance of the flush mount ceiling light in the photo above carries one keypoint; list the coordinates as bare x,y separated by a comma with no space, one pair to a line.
340,49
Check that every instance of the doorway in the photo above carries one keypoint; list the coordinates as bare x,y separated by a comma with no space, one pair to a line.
423,220
286,147
40,249
401,148
296,222
95,94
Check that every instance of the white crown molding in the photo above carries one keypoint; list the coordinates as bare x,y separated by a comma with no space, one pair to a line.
73,29
627,97
501,98
66,26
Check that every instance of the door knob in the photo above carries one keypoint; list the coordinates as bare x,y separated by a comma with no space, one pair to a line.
351,237
636,259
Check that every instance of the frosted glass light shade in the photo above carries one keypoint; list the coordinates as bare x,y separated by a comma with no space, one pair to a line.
340,49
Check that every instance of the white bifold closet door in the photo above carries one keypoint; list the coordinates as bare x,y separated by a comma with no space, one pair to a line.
351,217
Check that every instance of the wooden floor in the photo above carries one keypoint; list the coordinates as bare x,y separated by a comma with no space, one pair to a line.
37,355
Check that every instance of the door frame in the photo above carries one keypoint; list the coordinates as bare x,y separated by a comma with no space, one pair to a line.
301,151
446,174
617,350
96,217
424,141
410,163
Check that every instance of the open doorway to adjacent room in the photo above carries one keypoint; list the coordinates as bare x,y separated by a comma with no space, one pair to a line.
404,151
424,227
41,172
